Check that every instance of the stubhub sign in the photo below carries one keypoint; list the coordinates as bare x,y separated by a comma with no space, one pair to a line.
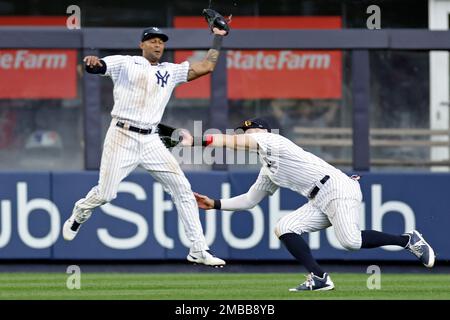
142,222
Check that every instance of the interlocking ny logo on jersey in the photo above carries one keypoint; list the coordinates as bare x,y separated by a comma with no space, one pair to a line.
162,79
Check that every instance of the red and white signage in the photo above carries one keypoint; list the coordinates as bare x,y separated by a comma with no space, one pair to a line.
259,74
38,74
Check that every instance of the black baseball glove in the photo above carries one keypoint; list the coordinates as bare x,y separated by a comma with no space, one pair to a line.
167,137
169,142
172,137
216,20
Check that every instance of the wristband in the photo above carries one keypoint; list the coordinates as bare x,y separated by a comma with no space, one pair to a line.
217,204
96,69
206,141
217,42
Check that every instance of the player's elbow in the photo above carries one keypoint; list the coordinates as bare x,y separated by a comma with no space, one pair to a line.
252,205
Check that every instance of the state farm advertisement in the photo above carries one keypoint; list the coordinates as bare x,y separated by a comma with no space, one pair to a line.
38,74
266,74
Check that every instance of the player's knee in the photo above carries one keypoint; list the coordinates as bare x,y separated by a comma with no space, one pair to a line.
281,228
352,242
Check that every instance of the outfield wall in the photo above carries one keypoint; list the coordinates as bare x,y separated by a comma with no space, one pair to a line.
141,223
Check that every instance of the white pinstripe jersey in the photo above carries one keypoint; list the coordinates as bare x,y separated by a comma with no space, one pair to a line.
141,90
287,165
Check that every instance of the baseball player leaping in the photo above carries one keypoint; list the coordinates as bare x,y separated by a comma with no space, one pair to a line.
334,199
142,89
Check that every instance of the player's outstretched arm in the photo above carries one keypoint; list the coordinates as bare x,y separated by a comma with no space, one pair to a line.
241,202
207,65
237,142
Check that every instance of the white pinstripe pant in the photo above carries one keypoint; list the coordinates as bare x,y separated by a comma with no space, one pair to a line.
123,151
343,214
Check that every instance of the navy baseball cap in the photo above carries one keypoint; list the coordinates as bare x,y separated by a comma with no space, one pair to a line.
153,32
254,123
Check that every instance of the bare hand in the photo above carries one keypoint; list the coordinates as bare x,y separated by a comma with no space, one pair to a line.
187,139
203,201
92,61
219,32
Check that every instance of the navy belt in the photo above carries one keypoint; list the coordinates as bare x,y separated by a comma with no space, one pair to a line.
316,189
121,124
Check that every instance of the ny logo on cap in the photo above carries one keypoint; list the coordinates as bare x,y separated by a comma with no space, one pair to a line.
247,123
162,79
155,29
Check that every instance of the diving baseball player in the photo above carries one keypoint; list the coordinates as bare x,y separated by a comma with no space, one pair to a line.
142,88
334,199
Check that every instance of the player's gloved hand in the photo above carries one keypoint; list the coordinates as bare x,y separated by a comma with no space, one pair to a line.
203,201
172,137
216,20
169,142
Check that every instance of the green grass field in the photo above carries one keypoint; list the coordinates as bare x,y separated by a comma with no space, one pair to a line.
217,286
